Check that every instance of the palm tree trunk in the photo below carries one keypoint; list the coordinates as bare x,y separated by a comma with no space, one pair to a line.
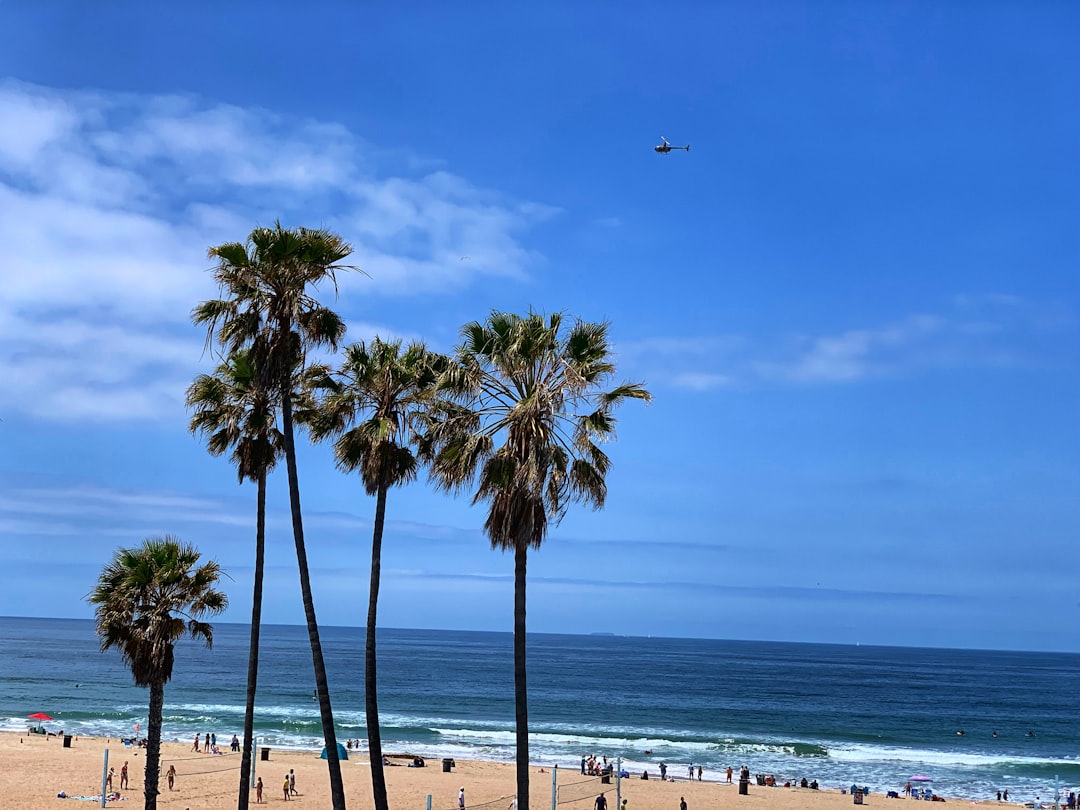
322,686
371,702
521,692
153,746
244,793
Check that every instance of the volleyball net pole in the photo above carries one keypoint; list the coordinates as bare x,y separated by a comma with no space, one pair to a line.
104,776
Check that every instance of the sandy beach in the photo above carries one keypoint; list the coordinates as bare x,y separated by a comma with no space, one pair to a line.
34,769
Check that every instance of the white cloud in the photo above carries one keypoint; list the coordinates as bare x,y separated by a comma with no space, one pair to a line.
109,201
976,331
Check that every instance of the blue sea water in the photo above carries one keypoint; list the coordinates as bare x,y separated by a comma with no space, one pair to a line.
838,714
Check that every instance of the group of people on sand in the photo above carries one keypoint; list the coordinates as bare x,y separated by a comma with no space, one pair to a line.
210,746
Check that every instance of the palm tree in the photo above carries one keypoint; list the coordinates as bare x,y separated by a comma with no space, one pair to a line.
146,600
267,306
523,417
234,412
373,405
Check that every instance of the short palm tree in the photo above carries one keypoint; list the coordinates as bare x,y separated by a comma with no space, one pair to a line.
268,307
234,412
147,599
373,405
524,415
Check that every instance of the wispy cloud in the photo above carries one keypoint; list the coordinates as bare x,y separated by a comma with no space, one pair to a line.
109,201
984,331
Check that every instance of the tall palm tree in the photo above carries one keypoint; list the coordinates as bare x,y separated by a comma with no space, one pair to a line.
523,417
373,405
236,413
268,307
147,599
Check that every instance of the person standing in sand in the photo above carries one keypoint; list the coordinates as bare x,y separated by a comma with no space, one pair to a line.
729,774
699,773
600,803
206,745
171,775
195,747
461,798
258,790
124,776
682,803
108,779
285,787
292,782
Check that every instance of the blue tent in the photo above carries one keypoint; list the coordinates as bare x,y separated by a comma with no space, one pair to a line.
342,753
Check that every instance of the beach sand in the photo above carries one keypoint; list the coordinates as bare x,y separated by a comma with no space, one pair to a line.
33,769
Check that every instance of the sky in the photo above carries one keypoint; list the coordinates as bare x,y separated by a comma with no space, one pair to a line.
855,300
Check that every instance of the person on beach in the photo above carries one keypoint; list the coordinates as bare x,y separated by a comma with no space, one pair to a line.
258,790
690,772
124,776
729,774
206,745
213,741
663,772
461,798
285,787
292,782
195,747
682,803
699,773
600,803
171,776
907,790
108,779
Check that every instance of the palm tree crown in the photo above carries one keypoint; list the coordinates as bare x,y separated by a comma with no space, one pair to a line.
150,597
526,413
268,303
233,411
374,406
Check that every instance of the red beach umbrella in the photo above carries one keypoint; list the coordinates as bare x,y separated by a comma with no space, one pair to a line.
39,716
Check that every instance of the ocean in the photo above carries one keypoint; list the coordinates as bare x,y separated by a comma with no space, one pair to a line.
839,714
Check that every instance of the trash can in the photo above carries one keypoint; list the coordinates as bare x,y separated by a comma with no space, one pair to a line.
67,741
447,764
857,796
744,787
605,779
264,754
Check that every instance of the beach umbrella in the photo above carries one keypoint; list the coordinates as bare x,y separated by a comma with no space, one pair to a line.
920,778
39,716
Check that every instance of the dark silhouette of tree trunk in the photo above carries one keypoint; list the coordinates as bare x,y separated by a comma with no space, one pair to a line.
153,745
521,691
322,686
244,794
371,702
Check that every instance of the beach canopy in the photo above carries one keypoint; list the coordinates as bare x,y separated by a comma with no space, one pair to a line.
342,753
920,778
39,716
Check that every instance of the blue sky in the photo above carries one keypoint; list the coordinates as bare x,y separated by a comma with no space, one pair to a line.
855,300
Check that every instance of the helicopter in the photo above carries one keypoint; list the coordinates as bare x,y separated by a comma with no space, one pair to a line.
666,147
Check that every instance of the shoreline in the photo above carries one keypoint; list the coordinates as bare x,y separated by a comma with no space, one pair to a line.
36,768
